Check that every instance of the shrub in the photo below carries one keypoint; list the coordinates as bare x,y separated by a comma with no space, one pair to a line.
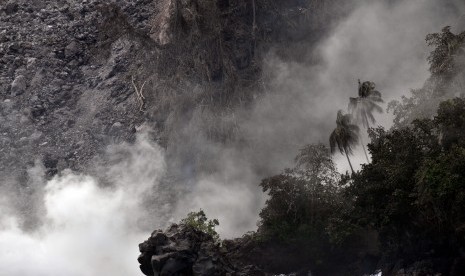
199,221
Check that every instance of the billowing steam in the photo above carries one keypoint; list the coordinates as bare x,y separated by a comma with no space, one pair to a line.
87,229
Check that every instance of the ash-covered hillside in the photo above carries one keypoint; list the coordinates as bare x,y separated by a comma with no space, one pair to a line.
70,69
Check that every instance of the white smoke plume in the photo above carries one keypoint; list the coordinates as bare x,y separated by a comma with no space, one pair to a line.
87,229
231,195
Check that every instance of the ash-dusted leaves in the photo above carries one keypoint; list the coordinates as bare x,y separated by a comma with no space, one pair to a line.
199,221
447,47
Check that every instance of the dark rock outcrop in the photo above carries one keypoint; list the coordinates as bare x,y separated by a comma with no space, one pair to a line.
183,250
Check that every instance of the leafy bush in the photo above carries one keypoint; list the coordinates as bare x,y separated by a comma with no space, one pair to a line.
199,221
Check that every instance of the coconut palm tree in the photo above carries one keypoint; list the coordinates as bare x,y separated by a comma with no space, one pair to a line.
364,105
344,136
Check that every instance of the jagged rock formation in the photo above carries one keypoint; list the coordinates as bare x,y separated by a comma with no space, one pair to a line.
183,250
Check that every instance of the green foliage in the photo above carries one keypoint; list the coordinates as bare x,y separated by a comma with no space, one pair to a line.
447,67
421,104
302,199
451,122
413,192
441,191
199,221
447,47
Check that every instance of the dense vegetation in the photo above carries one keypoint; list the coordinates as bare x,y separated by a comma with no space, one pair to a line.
302,200
411,196
413,191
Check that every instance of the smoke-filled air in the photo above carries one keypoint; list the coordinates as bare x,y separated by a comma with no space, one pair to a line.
221,137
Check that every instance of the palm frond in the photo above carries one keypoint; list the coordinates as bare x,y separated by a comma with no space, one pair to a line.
363,114
371,117
374,93
345,135
377,108
366,103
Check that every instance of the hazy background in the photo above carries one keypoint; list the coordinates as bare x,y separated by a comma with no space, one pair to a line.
92,225
381,41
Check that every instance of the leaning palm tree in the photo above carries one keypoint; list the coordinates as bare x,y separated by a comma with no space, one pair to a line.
344,136
364,105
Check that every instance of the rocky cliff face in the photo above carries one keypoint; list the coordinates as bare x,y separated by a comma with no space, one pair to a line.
69,69
64,87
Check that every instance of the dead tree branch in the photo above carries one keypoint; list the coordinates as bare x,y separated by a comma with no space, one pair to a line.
140,96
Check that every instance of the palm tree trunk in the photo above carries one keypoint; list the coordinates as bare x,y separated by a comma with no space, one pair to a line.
348,159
